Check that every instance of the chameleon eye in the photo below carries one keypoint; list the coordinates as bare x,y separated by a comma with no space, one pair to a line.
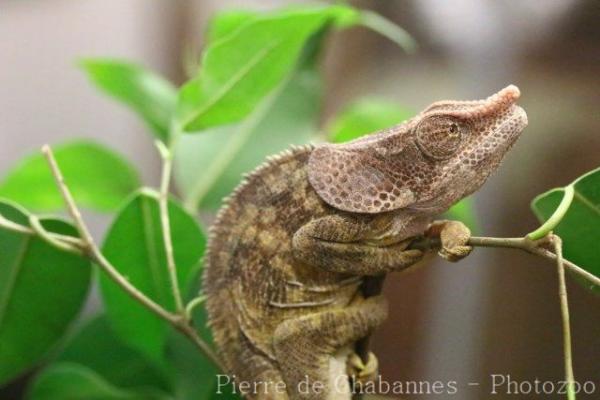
439,137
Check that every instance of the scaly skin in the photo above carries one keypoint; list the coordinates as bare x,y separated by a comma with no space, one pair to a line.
292,245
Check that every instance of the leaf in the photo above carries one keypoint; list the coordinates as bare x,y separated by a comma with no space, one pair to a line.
69,381
228,21
41,292
211,165
580,227
97,347
366,116
247,64
98,177
134,245
194,375
152,97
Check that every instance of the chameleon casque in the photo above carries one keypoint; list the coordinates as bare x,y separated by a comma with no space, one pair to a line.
293,244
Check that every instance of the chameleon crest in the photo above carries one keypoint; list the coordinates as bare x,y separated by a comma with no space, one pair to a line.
293,245
451,145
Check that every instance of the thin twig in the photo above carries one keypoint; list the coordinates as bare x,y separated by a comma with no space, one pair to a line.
520,243
14,227
533,247
536,247
92,249
594,280
163,200
192,334
18,228
93,252
195,302
39,229
547,227
566,326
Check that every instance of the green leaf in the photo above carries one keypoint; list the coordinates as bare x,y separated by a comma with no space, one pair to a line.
69,381
247,64
41,291
580,226
97,347
194,375
98,178
227,22
209,166
152,97
366,116
134,245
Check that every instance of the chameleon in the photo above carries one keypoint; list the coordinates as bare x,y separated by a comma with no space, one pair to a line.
294,243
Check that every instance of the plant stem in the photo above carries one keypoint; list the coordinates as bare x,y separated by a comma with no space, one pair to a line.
532,247
556,217
39,229
566,326
92,250
192,334
163,200
14,227
189,308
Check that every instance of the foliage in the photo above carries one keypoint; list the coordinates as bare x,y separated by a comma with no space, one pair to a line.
99,178
149,95
134,245
257,90
580,226
29,271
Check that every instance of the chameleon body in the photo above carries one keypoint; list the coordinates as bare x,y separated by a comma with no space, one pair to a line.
293,244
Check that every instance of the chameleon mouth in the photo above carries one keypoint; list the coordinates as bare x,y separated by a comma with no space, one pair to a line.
510,129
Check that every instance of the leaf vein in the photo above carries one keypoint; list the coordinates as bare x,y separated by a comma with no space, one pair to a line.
235,79
587,202
12,281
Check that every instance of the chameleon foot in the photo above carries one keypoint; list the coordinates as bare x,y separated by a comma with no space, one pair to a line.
454,236
360,372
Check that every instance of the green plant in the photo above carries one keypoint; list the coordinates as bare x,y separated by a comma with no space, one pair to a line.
257,91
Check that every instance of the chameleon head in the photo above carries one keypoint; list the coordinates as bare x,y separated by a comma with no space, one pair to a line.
429,162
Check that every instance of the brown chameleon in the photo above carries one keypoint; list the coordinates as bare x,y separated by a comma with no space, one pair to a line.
293,244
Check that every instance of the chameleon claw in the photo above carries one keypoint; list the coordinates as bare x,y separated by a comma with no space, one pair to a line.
455,253
454,236
360,371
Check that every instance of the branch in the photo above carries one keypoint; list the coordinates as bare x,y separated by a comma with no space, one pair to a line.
189,308
566,326
26,230
91,250
522,243
39,229
163,200
556,217
533,247
192,334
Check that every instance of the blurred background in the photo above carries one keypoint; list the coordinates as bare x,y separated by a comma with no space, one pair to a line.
497,312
